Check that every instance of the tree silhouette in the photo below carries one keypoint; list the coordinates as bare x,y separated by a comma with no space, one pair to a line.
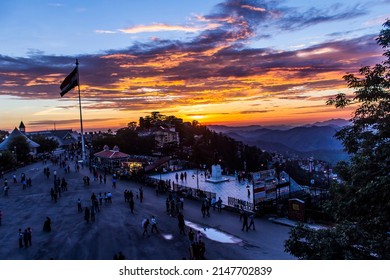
361,204
20,147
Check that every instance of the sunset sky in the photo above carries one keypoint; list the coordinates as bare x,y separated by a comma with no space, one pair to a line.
219,62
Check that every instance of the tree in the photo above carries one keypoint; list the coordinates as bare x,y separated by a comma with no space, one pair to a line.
45,144
132,125
3,135
361,205
7,161
129,142
20,147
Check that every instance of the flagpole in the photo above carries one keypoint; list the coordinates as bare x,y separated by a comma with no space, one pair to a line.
81,116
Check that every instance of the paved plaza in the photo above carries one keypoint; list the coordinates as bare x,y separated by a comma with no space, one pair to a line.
197,181
230,187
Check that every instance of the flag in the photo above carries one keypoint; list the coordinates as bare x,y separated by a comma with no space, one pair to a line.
71,81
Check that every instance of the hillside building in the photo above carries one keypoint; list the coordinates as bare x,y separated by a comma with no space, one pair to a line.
4,146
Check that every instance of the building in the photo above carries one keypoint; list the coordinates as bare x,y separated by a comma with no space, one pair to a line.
163,136
109,159
166,136
64,137
4,146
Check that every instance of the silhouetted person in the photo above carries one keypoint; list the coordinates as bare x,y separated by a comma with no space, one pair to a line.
181,223
252,221
20,237
79,208
141,195
47,225
153,222
203,209
244,221
121,256
86,214
219,204
145,225
131,204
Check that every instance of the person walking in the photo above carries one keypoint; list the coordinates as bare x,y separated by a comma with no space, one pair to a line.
145,225
92,211
167,203
244,221
251,221
191,236
29,236
141,194
79,208
114,181
131,204
86,214
153,222
203,209
47,225
214,203
198,237
25,238
20,238
219,204
100,199
207,207
6,190
181,223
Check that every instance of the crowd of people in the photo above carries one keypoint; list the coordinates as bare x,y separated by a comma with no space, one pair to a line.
174,203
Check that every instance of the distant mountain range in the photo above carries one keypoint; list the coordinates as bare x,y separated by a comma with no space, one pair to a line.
315,139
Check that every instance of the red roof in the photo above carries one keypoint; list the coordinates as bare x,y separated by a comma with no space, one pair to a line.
111,154
157,163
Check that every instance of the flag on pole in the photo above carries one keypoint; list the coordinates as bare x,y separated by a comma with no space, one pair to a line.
71,81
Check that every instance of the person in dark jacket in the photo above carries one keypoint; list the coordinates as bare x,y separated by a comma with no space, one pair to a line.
86,214
47,225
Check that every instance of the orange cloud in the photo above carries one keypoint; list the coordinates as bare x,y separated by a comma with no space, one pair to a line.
252,8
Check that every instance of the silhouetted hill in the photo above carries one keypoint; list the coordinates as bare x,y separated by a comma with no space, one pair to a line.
317,141
304,139
224,128
333,123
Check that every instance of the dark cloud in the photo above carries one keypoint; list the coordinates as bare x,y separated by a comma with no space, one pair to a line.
344,33
49,123
295,19
255,111
172,71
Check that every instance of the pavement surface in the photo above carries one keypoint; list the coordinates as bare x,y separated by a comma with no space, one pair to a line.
117,229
